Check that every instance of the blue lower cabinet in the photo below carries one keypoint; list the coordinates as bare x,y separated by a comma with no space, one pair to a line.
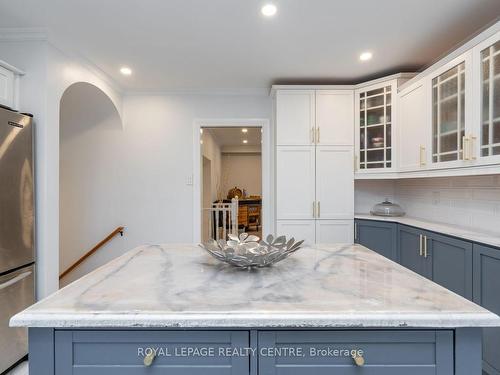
378,236
411,250
451,263
175,352
375,352
487,294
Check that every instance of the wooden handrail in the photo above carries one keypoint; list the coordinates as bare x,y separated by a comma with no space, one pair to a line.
93,250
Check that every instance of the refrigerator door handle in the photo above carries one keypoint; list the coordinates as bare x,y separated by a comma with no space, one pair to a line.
15,279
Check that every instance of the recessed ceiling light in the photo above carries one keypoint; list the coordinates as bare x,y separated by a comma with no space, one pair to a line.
269,10
125,70
365,56
245,141
244,130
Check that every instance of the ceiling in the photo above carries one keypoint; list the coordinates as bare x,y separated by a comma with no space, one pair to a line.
228,137
228,44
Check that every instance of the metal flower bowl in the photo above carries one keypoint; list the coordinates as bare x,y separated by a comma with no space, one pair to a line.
247,251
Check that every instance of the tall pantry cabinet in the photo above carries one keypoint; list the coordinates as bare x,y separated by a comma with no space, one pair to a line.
315,164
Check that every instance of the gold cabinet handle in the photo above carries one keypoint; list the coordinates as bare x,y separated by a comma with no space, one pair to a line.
317,134
358,360
421,245
472,140
465,146
425,246
355,231
422,156
149,358
318,210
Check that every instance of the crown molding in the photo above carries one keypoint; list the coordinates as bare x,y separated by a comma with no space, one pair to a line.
23,34
201,92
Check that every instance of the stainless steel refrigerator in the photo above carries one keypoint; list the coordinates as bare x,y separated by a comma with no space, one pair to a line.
17,240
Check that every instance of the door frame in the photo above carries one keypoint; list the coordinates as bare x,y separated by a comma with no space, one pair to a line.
267,157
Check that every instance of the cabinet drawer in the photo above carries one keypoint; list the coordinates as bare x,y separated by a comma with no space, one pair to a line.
123,352
384,352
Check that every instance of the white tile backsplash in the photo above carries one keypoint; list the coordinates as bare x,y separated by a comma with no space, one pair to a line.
472,202
370,192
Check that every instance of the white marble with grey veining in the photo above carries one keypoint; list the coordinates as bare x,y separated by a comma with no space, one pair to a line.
324,286
492,239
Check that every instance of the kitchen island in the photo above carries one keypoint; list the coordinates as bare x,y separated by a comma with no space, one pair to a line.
327,309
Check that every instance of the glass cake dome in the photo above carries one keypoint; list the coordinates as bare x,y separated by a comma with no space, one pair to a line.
387,208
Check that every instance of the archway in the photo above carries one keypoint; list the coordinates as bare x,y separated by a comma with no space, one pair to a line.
91,145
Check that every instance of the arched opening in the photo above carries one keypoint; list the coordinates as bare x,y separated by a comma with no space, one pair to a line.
91,145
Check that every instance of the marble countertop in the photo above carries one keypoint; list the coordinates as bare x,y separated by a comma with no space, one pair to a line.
323,286
491,239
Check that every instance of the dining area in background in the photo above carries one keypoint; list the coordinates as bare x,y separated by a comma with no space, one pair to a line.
249,210
236,214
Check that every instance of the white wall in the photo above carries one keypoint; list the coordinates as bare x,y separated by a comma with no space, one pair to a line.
159,131
211,150
91,171
48,73
242,170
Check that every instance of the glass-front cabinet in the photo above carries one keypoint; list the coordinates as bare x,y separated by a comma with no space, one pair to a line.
374,127
448,115
489,109
450,100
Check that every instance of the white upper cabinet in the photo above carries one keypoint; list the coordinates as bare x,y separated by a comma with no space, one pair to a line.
334,182
375,117
486,120
451,106
6,87
334,117
295,117
295,182
413,127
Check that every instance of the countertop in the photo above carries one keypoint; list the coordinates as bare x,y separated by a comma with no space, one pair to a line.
492,239
324,286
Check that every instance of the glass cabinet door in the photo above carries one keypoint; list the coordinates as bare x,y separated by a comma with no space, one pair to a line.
375,121
448,115
490,100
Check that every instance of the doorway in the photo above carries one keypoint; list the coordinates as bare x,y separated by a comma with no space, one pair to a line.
232,183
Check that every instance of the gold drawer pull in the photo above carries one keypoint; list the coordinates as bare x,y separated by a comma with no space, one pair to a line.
149,358
358,360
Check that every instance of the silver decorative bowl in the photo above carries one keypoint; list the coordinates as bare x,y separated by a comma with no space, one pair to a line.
247,251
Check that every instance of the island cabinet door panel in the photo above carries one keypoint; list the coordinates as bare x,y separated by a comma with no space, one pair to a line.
177,352
335,117
295,117
411,250
487,294
377,352
451,261
334,182
295,182
378,236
